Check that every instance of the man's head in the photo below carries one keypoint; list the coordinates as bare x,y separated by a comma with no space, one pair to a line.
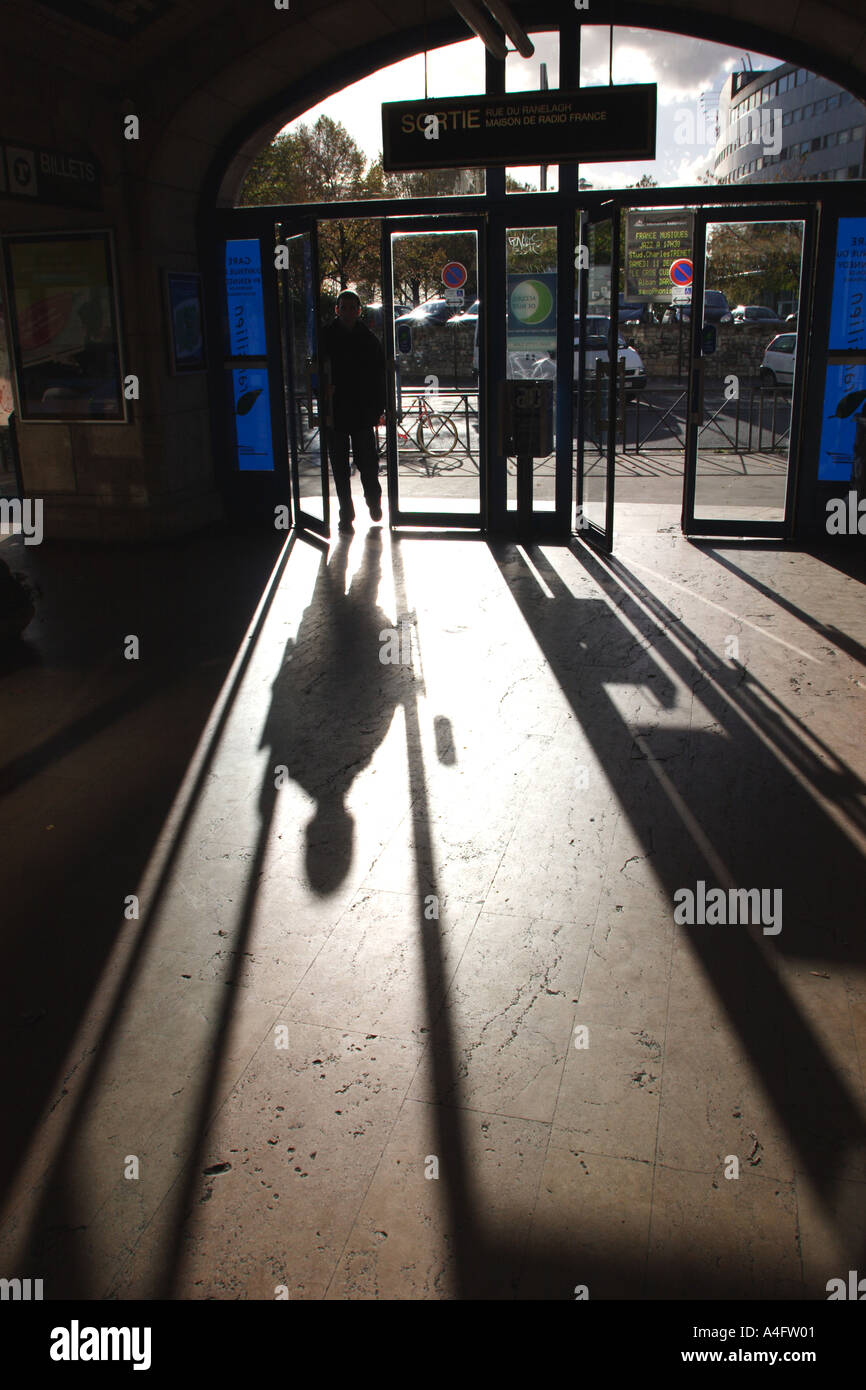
348,308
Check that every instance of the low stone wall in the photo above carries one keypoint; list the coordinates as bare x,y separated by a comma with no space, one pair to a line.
439,350
664,348
446,352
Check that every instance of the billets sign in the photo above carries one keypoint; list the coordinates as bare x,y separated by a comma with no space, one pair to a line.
654,241
49,176
590,125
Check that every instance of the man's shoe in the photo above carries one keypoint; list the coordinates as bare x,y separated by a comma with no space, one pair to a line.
346,528
375,511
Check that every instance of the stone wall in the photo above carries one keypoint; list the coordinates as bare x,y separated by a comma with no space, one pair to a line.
664,348
441,350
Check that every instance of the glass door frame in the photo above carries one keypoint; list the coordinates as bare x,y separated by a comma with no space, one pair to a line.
807,213
397,516
304,520
505,218
589,530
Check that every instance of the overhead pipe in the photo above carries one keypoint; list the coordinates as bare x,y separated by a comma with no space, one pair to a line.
515,31
478,22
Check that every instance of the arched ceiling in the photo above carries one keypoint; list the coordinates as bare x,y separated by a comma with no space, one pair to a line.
213,81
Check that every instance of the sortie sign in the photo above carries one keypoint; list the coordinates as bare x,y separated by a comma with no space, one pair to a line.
591,125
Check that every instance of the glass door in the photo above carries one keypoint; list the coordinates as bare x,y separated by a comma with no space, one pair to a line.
539,336
306,397
434,333
598,387
747,368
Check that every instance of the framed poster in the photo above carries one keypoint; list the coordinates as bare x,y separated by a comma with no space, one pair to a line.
843,436
185,319
64,327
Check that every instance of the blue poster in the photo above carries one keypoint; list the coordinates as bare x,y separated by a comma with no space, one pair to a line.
848,311
844,433
252,413
244,301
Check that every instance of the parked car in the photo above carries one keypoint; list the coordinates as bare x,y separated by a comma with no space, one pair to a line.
777,368
756,313
540,366
597,329
433,311
634,311
373,315
716,310
465,317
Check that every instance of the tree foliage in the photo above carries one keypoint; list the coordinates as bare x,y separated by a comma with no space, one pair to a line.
323,163
755,262
317,163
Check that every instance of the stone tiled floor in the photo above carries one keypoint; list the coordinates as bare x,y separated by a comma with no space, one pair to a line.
405,1012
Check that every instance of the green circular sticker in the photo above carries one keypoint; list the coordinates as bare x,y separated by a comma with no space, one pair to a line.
531,301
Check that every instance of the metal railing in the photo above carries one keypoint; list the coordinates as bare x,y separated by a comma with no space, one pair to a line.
755,421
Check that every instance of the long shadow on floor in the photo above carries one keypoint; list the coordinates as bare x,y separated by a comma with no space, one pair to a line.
718,801
715,797
84,804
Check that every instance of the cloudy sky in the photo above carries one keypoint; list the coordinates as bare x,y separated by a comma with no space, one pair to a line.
689,73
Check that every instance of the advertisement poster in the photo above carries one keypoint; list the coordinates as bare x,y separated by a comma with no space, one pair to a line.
252,413
848,311
654,243
598,289
185,318
244,302
843,436
7,400
532,312
64,327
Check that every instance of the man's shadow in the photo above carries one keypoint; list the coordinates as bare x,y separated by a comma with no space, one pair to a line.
332,704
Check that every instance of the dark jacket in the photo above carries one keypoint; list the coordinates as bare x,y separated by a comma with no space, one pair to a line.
357,365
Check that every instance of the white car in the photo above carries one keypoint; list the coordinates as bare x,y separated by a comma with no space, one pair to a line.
777,368
597,329
540,366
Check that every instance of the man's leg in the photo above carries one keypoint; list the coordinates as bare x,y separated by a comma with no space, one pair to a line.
366,457
338,442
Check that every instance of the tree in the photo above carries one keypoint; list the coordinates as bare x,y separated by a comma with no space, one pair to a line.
754,262
323,163
349,253
318,163
645,181
433,183
419,260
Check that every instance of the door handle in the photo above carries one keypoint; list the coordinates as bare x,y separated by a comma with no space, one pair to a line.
698,378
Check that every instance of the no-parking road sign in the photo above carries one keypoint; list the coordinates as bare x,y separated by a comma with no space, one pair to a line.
454,275
681,272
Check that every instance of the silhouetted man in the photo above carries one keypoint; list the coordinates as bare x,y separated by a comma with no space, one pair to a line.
356,362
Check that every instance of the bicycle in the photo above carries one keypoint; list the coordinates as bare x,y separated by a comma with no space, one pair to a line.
435,435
